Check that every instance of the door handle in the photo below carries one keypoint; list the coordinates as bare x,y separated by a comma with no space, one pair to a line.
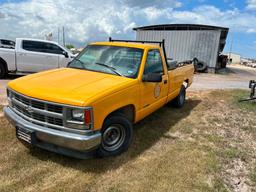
165,81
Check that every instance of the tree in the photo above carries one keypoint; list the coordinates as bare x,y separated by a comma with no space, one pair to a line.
70,46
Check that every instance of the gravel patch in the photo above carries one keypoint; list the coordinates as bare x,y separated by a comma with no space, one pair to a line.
234,77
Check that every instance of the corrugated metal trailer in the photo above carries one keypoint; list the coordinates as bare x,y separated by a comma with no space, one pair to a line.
186,41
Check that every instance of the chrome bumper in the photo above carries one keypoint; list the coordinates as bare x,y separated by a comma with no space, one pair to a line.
55,140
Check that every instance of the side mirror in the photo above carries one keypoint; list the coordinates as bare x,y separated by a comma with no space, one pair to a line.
152,77
65,54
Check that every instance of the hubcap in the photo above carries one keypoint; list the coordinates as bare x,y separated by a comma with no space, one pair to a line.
113,137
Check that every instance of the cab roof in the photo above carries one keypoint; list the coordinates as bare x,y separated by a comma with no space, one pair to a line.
125,44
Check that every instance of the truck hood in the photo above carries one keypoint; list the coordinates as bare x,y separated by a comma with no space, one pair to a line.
70,86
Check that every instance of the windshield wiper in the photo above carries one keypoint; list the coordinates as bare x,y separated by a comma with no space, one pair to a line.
109,67
83,64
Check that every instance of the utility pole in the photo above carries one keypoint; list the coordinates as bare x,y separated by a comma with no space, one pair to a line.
63,30
58,35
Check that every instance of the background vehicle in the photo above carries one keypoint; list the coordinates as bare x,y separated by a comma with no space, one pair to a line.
4,43
94,103
32,55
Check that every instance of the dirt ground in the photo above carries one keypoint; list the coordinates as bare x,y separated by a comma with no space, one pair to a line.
234,77
209,145
3,84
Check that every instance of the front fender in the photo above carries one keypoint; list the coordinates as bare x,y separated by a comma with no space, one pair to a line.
107,105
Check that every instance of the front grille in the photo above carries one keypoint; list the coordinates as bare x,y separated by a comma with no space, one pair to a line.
37,111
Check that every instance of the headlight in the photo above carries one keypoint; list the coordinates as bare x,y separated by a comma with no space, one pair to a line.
79,118
77,115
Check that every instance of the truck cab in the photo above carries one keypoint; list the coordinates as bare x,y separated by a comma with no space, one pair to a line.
33,55
91,105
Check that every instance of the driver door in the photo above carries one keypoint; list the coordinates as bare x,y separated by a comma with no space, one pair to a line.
153,95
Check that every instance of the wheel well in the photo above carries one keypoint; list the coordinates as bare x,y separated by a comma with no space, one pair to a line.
128,111
3,62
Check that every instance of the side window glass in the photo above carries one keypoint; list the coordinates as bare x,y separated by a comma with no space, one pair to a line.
154,63
32,46
52,48
41,47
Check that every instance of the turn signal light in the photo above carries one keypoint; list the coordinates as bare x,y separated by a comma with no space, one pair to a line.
87,117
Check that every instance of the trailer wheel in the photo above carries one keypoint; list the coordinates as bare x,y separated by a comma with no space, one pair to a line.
179,101
201,66
117,134
2,71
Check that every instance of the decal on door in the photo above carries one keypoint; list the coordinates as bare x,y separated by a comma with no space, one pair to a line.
157,90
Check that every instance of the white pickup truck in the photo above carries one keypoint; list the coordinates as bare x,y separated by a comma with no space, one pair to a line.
33,55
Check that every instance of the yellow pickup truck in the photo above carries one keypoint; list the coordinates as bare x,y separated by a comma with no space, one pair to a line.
90,106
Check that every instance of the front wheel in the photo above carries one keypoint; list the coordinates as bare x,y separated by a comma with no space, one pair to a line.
2,71
117,135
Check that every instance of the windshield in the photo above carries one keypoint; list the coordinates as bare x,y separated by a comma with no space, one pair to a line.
115,60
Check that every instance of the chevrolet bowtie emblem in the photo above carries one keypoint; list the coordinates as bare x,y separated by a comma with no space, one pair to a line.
29,109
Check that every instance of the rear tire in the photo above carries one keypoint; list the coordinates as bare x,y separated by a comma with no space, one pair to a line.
179,101
2,71
117,134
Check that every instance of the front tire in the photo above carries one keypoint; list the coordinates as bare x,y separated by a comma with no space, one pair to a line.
117,134
2,71
179,101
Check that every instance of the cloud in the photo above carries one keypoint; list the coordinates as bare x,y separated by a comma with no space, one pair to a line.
210,15
153,3
153,13
251,4
2,15
251,31
83,20
93,20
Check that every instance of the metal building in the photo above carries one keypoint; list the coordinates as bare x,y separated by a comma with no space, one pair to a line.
187,41
234,58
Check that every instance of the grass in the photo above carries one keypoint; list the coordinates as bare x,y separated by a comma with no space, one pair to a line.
189,149
247,105
253,176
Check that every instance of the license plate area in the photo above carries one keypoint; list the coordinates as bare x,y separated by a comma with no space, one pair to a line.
25,135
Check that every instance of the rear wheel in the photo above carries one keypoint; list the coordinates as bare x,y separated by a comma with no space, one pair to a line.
117,135
2,71
179,101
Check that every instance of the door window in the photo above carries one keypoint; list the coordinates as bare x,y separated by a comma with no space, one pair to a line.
154,62
52,48
41,47
33,46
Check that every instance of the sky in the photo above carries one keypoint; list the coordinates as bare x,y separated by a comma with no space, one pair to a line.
95,20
